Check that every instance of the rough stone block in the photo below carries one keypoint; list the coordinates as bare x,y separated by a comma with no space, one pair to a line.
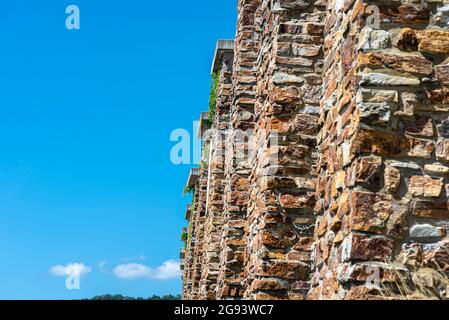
421,126
426,231
442,73
370,211
365,248
368,170
392,179
442,150
379,143
412,64
434,209
422,186
284,270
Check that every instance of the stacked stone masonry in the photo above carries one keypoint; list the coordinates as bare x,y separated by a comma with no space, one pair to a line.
325,171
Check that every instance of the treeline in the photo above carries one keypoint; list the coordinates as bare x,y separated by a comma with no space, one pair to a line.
118,297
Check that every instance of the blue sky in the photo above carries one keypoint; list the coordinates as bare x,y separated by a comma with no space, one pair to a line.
85,123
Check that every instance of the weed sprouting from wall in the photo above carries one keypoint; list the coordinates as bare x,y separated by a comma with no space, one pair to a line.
213,96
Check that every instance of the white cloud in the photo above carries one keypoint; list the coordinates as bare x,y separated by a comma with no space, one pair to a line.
72,269
132,271
168,270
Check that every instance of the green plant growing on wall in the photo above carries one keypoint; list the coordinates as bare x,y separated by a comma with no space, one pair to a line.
205,158
187,190
189,239
213,96
192,214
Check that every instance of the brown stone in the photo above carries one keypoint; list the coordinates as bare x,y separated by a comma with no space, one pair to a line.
271,182
368,170
284,239
420,148
422,186
304,244
404,14
407,40
339,238
363,272
295,151
430,209
442,73
306,124
442,150
379,143
370,248
269,284
411,255
284,270
298,256
430,40
392,179
370,211
347,53
438,96
397,224
269,297
335,224
433,41
290,28
305,50
321,227
284,94
280,125
438,257
290,201
364,293
402,63
409,102
421,126
294,61
344,205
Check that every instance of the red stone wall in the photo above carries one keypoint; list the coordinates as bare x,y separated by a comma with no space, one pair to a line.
382,190
341,190
237,166
280,216
216,181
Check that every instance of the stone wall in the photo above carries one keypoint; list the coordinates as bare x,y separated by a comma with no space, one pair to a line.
326,172
216,178
237,166
195,240
280,216
382,190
